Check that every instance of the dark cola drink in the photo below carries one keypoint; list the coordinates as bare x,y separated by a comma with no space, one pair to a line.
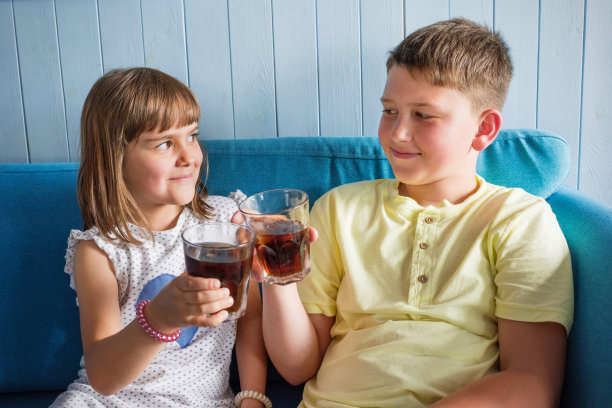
283,249
232,273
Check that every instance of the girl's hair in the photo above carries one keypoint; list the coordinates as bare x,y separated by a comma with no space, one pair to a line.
120,106
459,54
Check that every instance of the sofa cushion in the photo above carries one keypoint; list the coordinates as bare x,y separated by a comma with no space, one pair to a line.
39,316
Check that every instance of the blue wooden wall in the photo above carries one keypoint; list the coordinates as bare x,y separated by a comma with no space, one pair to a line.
276,68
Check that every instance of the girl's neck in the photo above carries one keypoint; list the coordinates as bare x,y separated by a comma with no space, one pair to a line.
163,218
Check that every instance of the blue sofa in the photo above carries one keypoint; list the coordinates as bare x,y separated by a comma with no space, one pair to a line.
39,320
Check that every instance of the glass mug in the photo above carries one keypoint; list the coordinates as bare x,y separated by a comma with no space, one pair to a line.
223,251
280,220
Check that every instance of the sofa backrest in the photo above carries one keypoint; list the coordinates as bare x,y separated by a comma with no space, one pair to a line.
534,160
38,207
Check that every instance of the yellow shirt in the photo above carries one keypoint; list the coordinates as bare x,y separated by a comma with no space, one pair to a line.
416,291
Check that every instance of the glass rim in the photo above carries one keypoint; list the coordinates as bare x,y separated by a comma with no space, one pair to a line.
253,212
225,247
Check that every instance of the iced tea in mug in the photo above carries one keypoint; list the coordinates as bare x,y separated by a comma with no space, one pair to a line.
280,219
223,251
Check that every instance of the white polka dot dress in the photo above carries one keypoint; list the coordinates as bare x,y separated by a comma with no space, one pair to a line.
190,372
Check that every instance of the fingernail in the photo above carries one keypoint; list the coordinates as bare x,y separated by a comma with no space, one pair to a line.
229,301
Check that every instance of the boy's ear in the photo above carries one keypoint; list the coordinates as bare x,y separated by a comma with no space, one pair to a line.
490,125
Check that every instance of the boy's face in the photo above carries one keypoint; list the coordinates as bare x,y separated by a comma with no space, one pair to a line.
426,132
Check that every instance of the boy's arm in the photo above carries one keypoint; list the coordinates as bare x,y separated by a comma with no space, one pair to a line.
532,363
295,340
250,350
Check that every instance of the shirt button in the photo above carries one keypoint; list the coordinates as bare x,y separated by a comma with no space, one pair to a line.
429,220
422,278
423,245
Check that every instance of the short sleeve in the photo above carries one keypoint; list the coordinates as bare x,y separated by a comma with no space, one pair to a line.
223,207
534,272
319,289
77,236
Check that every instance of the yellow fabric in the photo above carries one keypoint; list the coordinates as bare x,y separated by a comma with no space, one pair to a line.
417,291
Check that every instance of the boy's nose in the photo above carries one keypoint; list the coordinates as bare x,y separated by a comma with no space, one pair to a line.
401,130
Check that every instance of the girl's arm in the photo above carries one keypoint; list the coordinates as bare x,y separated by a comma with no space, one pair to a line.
114,357
295,340
250,350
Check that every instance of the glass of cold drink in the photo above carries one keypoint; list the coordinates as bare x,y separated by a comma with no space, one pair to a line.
280,219
224,251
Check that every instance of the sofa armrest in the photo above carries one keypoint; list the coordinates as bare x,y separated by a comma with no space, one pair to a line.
587,226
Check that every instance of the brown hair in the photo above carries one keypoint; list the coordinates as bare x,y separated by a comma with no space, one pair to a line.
459,54
120,106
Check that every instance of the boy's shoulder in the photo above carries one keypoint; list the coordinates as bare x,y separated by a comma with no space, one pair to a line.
358,189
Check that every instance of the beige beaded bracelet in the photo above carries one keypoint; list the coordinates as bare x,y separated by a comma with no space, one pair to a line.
252,394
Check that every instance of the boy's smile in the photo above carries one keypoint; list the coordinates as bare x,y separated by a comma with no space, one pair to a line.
427,132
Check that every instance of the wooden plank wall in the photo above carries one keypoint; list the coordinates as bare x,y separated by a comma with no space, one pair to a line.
277,68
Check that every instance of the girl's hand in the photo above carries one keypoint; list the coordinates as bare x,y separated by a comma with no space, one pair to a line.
257,270
189,301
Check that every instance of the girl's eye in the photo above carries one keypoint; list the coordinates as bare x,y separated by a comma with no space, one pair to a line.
389,111
423,115
163,146
192,138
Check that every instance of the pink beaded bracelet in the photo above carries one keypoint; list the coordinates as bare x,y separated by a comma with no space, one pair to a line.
144,323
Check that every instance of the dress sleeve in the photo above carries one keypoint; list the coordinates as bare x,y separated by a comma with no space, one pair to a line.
224,207
73,241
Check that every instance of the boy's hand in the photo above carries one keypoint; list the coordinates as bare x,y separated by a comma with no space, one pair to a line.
257,270
189,301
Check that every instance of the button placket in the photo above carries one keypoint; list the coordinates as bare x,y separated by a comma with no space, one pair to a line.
424,240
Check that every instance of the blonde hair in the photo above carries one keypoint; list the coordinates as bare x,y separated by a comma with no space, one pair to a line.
459,54
120,106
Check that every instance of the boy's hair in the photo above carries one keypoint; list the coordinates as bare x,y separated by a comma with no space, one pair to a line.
120,106
462,55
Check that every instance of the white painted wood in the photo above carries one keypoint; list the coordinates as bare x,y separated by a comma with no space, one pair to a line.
209,64
480,11
381,30
595,177
268,68
295,61
419,13
79,35
339,67
121,33
163,29
12,132
560,74
41,82
252,68
517,21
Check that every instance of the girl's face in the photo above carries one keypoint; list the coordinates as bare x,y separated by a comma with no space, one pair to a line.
161,169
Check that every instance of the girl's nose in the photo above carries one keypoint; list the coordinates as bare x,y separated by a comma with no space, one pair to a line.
187,156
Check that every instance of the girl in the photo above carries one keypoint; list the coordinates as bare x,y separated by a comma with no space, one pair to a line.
139,188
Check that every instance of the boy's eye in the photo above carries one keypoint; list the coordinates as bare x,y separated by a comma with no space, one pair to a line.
389,111
423,115
192,138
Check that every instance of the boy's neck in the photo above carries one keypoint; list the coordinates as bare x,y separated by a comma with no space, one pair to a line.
453,191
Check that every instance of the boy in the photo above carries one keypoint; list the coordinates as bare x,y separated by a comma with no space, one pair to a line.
437,287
